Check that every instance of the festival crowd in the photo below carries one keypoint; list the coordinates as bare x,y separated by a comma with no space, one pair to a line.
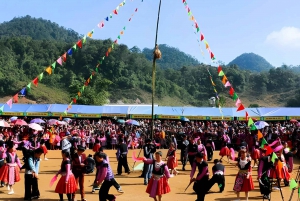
270,150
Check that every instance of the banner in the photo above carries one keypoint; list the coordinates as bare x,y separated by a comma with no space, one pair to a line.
196,117
36,114
138,116
167,117
220,118
12,113
59,61
273,118
88,115
245,119
293,117
58,114
89,79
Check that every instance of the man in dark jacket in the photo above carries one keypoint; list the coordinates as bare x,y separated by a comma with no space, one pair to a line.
149,150
218,176
122,158
184,152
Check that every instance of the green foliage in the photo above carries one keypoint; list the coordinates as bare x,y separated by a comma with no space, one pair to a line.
251,61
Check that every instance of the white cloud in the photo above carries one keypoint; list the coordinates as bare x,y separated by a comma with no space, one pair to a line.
287,37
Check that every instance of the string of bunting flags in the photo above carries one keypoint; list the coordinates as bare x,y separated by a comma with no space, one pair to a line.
225,81
88,80
60,60
210,75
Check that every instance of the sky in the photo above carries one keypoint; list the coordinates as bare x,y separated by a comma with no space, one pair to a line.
269,28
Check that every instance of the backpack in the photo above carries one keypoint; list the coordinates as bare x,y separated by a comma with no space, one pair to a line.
89,165
26,155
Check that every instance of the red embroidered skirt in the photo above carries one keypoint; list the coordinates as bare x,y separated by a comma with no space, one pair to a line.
172,163
5,174
66,188
225,151
96,148
242,184
45,150
158,187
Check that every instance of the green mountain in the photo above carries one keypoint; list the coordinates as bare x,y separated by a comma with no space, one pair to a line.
125,75
37,29
172,57
252,62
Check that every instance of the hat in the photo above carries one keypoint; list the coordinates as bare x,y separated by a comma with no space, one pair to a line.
243,149
148,140
199,155
216,161
80,148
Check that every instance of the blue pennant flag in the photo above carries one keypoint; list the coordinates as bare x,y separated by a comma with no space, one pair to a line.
70,51
23,91
106,18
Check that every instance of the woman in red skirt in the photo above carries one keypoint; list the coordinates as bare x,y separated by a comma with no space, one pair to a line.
171,159
158,184
44,148
243,181
255,155
96,146
225,151
10,172
67,183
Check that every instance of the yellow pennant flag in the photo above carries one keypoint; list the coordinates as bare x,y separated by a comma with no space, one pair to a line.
122,32
224,80
60,117
212,82
69,106
90,34
49,70
88,80
259,135
79,94
121,4
109,50
206,45
192,18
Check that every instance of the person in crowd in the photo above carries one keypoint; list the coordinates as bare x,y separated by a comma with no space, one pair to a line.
122,158
104,175
67,182
218,177
44,148
184,152
210,147
172,159
10,172
192,151
264,167
202,149
158,184
2,158
173,140
288,156
256,155
32,174
97,145
78,168
65,143
225,151
243,181
200,182
149,149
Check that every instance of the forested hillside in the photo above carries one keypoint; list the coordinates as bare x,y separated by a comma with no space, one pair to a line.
125,76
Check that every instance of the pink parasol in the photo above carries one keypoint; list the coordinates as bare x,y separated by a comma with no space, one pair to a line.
20,122
52,122
4,124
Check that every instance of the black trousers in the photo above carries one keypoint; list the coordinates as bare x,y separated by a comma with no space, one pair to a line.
210,153
115,183
219,179
191,160
31,186
183,158
123,163
200,187
265,187
103,192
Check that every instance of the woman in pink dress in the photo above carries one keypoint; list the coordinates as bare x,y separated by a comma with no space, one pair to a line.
10,172
158,184
171,159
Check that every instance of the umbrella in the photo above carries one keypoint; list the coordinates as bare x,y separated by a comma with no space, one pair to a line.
52,122
37,121
132,122
121,121
13,118
67,120
184,119
20,122
4,124
293,121
35,126
62,123
260,124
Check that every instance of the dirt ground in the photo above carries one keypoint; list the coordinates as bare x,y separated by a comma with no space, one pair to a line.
133,185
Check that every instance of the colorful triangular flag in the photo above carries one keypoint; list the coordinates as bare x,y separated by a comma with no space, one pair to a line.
9,103
35,81
241,108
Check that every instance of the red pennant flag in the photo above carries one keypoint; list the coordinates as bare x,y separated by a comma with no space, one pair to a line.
231,91
35,81
16,98
201,37
93,73
86,84
183,1
116,41
106,54
79,44
189,10
129,19
212,55
196,25
74,100
241,107
116,12
247,115
219,69
269,150
64,56
136,10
